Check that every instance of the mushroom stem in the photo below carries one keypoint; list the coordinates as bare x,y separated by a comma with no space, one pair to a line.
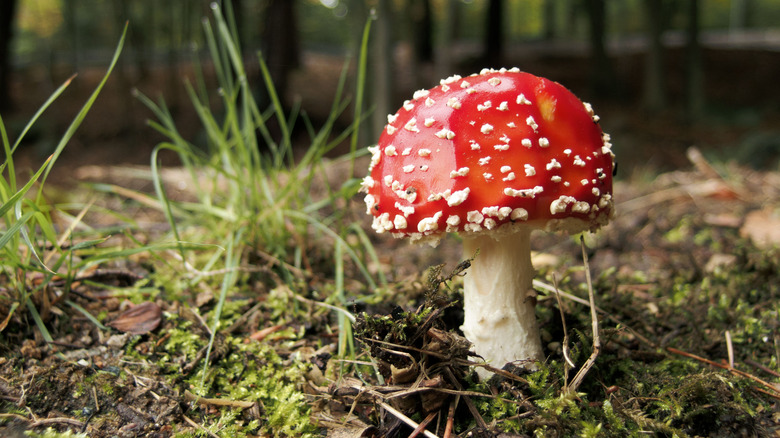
499,304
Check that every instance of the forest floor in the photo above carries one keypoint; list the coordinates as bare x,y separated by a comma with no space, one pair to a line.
686,280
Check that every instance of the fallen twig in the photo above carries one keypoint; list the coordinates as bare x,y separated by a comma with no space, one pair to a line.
346,313
565,347
469,404
552,289
451,417
409,422
45,421
217,401
762,368
198,426
594,320
421,427
774,391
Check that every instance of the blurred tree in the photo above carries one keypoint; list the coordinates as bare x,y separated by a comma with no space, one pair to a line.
603,79
421,16
572,10
493,50
7,14
448,35
550,19
741,14
281,48
70,11
420,24
694,72
381,61
137,39
654,93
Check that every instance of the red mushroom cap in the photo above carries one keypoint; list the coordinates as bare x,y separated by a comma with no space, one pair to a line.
479,153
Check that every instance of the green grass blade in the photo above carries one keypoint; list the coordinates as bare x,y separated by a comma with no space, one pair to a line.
326,230
232,261
369,248
14,228
9,150
163,197
44,225
9,203
10,185
83,112
346,344
285,150
38,321
41,110
87,315
361,85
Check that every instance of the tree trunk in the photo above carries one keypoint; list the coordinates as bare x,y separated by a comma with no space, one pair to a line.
448,34
7,14
381,57
493,50
572,10
603,79
419,16
70,10
280,41
550,19
654,98
740,14
422,24
694,73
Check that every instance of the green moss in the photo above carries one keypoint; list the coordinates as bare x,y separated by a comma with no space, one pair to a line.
51,433
254,372
184,342
231,311
670,397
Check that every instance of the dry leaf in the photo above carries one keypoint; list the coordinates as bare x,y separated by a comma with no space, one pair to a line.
139,319
263,333
762,227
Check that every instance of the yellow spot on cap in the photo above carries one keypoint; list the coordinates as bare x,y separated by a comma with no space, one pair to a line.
547,105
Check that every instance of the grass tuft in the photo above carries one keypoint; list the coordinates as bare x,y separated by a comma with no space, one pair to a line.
33,253
258,193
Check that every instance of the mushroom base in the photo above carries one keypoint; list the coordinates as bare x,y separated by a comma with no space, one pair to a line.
499,303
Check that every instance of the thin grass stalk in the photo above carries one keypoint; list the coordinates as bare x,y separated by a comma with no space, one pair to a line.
337,238
97,255
9,151
38,321
217,56
285,148
230,20
12,231
369,248
346,341
9,162
159,188
361,84
259,122
83,112
87,315
42,223
11,202
232,259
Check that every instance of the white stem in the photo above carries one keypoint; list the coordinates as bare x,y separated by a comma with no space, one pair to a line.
499,310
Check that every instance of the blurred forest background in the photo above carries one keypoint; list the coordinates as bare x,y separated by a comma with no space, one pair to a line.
662,74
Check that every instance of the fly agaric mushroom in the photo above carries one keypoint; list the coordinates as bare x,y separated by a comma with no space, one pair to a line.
492,156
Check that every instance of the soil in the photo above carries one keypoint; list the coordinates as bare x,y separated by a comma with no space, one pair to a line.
681,219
